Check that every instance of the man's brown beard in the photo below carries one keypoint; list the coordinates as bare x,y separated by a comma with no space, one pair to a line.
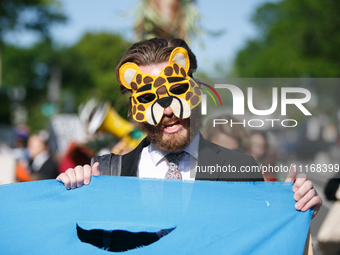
173,143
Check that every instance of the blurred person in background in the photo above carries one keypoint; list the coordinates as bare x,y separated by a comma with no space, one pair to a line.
77,154
21,134
259,145
14,159
231,137
329,232
41,165
261,152
7,161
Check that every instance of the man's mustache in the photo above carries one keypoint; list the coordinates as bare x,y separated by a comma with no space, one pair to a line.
167,121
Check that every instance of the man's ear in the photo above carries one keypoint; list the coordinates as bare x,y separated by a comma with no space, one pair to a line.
127,73
180,56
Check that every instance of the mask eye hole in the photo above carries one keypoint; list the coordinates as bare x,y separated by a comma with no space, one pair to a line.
179,89
146,98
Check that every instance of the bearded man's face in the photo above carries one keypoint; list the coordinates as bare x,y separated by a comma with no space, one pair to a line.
172,133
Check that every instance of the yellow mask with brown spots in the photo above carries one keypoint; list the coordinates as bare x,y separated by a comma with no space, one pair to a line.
173,88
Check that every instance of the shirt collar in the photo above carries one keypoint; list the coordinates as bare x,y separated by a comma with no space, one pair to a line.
157,155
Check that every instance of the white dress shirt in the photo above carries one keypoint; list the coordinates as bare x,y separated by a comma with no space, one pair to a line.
153,164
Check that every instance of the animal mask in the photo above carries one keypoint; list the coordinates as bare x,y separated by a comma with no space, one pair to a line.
173,88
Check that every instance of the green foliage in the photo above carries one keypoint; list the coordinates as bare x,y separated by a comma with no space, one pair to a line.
18,65
36,15
88,70
29,68
36,120
17,68
296,38
97,56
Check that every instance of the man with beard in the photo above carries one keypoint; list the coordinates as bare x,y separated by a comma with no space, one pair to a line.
165,101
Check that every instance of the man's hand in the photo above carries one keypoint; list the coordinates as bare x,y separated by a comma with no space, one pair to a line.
304,193
78,176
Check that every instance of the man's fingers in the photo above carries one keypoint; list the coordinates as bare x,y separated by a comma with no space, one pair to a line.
95,170
71,175
315,201
292,174
304,193
303,197
301,180
64,179
302,190
78,176
87,174
79,171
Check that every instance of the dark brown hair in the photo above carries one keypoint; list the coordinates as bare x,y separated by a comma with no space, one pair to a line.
153,51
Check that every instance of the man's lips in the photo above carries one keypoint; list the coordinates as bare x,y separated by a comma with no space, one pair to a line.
172,127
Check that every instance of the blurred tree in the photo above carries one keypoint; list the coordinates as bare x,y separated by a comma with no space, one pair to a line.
29,68
296,38
87,70
96,56
21,15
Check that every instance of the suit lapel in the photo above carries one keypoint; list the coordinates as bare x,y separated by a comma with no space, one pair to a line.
131,159
208,159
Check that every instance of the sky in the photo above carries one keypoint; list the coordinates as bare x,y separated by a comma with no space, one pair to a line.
231,16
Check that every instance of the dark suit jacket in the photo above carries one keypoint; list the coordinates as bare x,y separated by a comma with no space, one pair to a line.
210,156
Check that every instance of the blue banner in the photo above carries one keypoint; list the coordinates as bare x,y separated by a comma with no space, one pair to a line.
209,217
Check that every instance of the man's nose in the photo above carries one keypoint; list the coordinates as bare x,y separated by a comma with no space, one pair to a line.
168,111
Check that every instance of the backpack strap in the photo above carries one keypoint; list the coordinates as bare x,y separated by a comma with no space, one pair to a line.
109,164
